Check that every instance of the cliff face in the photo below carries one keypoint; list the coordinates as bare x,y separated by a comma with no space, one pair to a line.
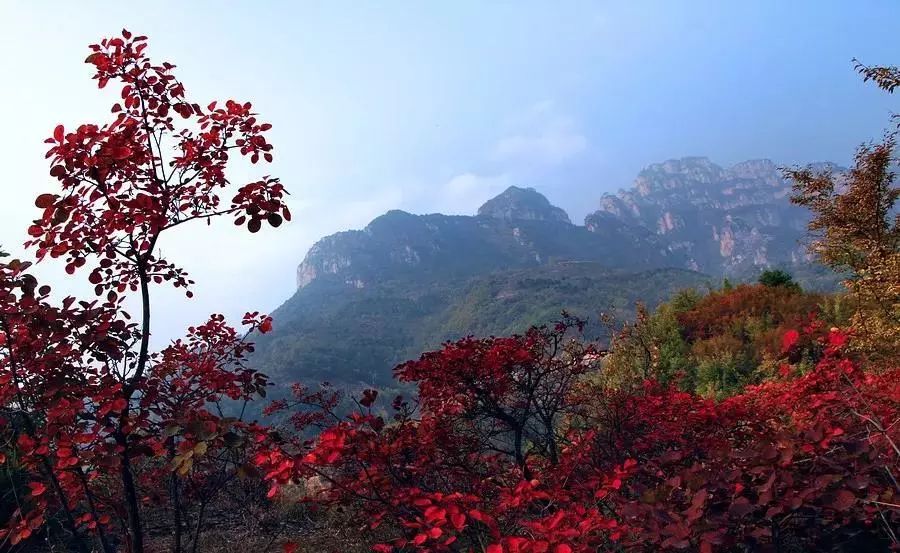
725,221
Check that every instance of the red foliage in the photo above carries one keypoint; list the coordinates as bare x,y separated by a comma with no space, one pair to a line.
118,191
807,459
100,424
510,446
801,459
483,458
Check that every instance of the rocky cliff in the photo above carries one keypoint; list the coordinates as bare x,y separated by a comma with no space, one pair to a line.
731,221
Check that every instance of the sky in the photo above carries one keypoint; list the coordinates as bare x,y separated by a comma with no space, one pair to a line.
438,106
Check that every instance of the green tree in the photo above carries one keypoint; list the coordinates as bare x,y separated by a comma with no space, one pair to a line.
777,277
653,347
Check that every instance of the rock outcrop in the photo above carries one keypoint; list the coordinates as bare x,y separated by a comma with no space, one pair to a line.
522,204
732,221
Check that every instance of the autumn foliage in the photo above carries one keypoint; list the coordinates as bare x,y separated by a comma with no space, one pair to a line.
102,426
517,444
481,463
718,343
856,229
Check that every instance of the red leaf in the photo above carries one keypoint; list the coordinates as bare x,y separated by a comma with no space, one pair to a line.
837,339
740,507
45,200
121,152
266,325
789,340
37,488
843,500
368,398
59,133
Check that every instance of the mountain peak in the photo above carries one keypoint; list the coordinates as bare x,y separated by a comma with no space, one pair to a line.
517,203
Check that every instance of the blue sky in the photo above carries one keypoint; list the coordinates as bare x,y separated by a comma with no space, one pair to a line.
437,106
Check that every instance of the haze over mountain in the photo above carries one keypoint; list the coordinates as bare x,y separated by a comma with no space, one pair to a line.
368,299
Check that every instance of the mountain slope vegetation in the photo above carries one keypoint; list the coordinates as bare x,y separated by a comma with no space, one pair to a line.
355,336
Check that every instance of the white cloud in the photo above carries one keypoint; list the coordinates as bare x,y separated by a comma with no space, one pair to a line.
542,136
535,140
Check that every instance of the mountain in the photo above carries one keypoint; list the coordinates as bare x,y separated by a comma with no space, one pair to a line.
369,299
730,222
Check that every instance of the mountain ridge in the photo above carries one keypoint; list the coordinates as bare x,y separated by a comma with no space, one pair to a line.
741,222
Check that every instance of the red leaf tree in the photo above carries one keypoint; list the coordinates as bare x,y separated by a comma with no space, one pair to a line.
97,419
486,457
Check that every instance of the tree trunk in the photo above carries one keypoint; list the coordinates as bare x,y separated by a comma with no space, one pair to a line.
552,451
175,491
519,454
135,526
132,507
101,533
